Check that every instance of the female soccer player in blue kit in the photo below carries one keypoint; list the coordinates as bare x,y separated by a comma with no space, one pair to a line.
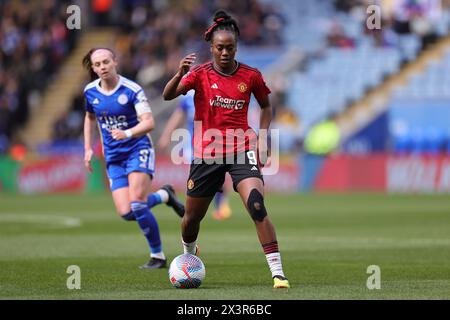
120,108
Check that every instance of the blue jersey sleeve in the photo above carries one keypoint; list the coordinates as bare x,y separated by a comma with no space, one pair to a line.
184,106
140,102
87,105
187,103
139,97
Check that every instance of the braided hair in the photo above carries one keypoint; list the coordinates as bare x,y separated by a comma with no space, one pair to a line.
87,62
222,21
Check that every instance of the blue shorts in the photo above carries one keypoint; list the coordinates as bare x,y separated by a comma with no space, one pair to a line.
141,160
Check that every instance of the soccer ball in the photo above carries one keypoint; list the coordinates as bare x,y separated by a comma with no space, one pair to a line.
186,271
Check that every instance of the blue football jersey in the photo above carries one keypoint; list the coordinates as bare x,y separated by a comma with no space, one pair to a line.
188,108
116,109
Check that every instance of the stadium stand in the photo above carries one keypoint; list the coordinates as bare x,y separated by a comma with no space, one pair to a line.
151,39
420,110
34,41
54,106
346,62
342,62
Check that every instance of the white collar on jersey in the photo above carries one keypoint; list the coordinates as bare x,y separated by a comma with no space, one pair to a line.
226,74
109,93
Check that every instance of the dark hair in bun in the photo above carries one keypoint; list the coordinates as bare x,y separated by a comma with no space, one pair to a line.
222,21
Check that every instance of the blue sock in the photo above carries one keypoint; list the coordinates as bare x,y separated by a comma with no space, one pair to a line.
148,224
153,200
218,199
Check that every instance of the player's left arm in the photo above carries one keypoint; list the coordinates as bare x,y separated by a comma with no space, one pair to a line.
266,113
145,125
264,123
261,93
145,117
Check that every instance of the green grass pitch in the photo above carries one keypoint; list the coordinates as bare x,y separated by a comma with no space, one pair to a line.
326,241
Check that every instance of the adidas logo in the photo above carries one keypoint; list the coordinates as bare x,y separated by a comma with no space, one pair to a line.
254,168
95,101
214,86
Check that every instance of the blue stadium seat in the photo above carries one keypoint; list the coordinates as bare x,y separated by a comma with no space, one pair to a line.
434,140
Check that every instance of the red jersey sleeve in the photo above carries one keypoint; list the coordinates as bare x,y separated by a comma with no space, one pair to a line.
259,87
188,81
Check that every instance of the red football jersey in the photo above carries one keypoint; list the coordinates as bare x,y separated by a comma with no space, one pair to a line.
221,107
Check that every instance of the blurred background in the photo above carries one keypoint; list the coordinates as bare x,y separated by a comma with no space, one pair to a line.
358,109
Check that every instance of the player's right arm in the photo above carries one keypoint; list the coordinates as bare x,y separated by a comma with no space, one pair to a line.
174,87
89,127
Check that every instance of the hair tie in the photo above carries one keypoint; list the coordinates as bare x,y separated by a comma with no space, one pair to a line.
215,24
210,29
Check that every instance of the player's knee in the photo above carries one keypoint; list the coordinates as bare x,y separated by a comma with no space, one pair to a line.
255,205
191,218
138,197
124,211
138,194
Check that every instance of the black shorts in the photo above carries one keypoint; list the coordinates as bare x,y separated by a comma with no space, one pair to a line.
206,178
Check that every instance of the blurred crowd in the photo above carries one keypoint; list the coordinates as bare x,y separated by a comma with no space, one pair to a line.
33,42
404,26
399,18
153,36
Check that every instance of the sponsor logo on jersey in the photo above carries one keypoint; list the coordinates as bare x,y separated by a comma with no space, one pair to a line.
122,99
215,86
242,87
190,184
95,101
113,122
254,168
227,103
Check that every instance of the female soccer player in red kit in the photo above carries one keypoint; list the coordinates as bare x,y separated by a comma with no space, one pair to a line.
223,89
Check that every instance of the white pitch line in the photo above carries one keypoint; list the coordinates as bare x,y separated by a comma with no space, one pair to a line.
53,220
